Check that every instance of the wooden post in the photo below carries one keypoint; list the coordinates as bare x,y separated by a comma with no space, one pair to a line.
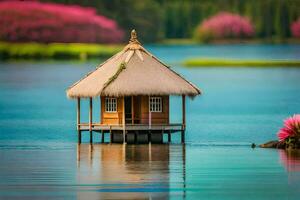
100,120
150,122
78,120
184,169
78,155
111,135
123,121
91,120
102,139
132,110
169,136
183,120
149,115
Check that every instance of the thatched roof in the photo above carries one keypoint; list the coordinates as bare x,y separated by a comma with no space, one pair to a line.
133,71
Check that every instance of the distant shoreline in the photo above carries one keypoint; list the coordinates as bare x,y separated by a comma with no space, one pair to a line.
191,41
88,51
58,51
220,62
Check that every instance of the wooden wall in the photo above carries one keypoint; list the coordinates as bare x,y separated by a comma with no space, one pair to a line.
141,111
156,117
112,117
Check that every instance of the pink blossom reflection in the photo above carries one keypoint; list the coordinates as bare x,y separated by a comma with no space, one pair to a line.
290,159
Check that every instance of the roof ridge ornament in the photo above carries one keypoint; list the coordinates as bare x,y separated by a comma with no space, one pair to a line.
133,38
134,44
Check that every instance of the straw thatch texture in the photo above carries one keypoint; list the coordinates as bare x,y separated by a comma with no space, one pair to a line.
133,71
148,77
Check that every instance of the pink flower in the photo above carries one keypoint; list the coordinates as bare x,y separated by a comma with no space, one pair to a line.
225,25
295,28
22,21
291,127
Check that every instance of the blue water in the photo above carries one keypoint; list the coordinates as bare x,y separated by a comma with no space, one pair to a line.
40,158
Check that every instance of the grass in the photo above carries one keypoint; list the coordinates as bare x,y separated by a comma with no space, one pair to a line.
56,50
179,41
217,62
193,41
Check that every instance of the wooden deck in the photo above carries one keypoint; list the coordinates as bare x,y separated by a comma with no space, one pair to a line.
131,127
132,133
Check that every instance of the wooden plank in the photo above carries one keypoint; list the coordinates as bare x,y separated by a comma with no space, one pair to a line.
137,127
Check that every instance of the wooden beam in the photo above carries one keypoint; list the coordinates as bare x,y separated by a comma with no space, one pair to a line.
183,120
123,121
78,120
91,120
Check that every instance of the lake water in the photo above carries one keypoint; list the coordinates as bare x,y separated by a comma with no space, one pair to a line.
40,158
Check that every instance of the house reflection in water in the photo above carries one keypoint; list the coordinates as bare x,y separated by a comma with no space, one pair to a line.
130,171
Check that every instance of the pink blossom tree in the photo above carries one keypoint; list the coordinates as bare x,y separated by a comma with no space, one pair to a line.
290,132
22,21
225,25
295,28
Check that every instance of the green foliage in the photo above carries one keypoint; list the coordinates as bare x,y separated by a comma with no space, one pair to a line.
160,19
203,62
56,50
146,16
115,76
203,36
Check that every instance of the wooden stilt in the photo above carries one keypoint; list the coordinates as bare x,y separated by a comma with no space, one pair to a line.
184,169
149,136
102,134
101,113
150,152
123,120
79,136
132,110
149,120
183,136
183,120
169,136
78,120
111,135
91,120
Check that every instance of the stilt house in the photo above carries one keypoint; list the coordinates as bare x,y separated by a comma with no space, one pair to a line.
134,89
